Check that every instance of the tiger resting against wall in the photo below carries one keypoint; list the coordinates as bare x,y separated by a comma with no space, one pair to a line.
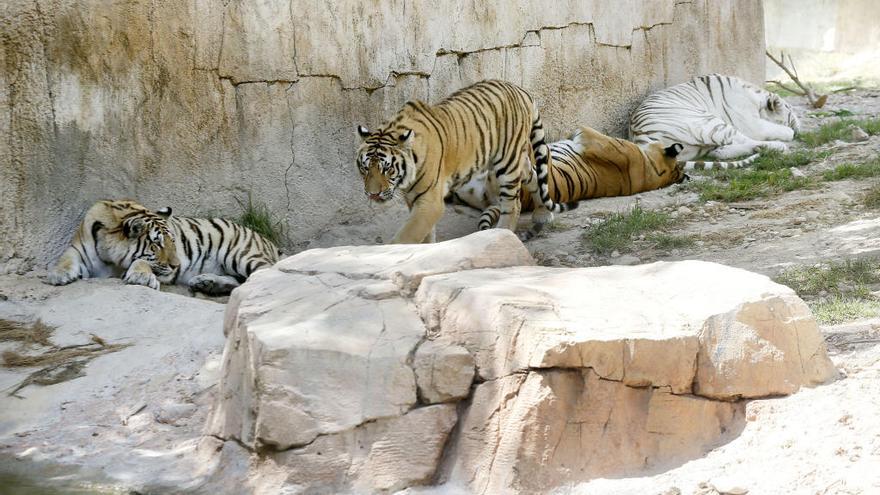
721,117
587,165
210,255
425,151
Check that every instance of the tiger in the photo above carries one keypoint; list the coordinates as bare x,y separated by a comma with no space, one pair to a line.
209,255
588,164
425,151
719,116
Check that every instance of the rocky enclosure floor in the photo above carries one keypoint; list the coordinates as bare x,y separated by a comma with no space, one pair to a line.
824,440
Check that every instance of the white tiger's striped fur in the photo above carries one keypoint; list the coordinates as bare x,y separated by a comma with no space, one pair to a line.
212,256
718,116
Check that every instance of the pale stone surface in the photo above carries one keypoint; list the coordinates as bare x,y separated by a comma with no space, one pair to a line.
135,416
444,371
528,433
766,348
641,325
406,265
192,104
327,357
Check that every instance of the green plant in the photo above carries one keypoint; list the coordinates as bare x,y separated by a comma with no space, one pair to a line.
257,216
839,130
872,197
768,175
853,171
842,309
848,277
619,230
666,241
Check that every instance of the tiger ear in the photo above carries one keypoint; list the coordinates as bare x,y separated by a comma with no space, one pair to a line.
363,132
673,151
405,136
164,212
773,103
133,228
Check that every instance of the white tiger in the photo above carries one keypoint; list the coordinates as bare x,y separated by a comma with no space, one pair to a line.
722,117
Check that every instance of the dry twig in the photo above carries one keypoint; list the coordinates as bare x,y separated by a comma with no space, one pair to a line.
805,90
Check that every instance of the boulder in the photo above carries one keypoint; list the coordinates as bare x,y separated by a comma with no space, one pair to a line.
347,369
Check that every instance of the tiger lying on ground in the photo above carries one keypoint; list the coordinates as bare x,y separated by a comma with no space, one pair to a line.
587,165
212,256
722,117
427,150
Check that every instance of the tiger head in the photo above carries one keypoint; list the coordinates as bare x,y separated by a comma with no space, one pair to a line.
153,241
778,110
386,161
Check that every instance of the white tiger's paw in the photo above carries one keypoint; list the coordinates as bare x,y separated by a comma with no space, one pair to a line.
774,145
134,277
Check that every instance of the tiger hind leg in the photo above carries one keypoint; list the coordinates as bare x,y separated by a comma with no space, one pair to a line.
212,284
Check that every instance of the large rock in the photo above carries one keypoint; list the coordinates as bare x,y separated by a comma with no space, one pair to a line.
196,103
347,369
326,343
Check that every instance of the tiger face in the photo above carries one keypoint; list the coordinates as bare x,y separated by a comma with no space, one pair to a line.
153,241
778,110
385,161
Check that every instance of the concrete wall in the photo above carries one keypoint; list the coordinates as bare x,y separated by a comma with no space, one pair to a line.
829,39
194,103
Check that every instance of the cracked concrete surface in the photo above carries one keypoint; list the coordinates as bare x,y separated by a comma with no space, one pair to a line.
195,104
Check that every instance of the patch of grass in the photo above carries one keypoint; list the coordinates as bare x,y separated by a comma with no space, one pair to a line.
872,197
556,226
664,241
854,171
843,112
768,175
617,232
840,129
836,292
842,309
256,216
849,277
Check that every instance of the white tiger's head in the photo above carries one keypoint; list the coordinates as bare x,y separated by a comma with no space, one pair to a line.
386,161
775,109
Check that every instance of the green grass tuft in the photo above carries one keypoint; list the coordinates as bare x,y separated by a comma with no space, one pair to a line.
770,174
849,277
664,241
838,130
854,171
842,309
872,197
618,231
257,217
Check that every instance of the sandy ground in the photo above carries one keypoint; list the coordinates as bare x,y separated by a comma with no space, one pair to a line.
819,441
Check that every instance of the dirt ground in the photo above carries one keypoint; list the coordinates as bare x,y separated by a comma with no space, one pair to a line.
819,441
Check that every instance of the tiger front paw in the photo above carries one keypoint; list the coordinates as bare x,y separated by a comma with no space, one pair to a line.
61,277
136,277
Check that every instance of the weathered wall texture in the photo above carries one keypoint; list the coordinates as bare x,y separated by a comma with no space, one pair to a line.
829,39
194,103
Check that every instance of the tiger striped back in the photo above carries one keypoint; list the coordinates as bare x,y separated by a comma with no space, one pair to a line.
590,165
714,115
146,247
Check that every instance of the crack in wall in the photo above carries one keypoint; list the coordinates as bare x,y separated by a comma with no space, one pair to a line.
395,74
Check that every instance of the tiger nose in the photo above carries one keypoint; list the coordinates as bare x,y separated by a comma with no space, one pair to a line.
374,195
